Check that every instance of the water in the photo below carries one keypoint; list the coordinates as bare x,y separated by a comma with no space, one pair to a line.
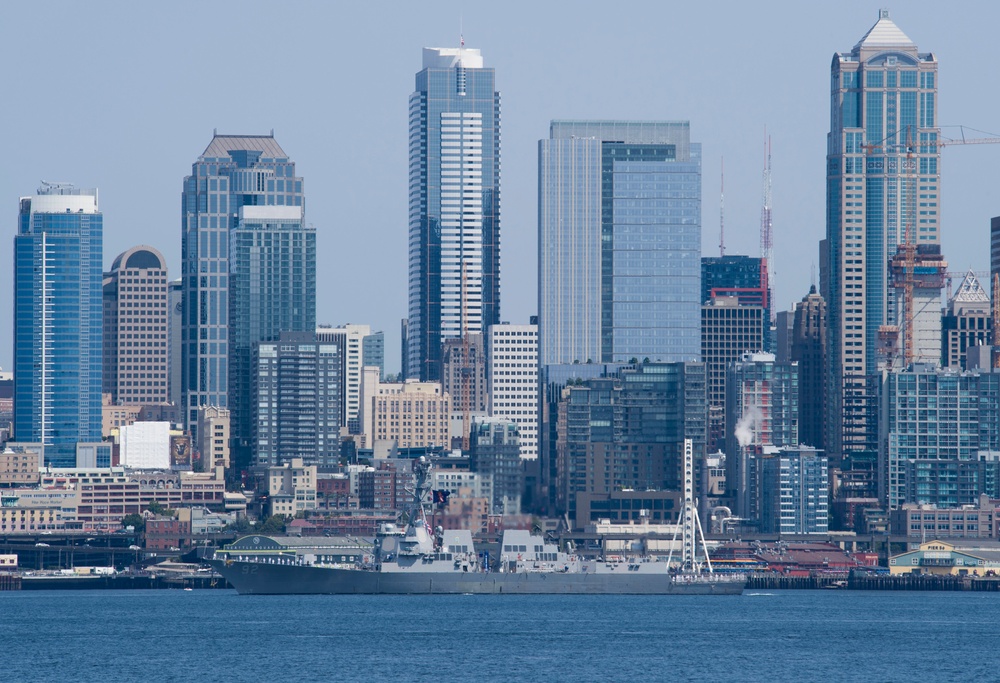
762,636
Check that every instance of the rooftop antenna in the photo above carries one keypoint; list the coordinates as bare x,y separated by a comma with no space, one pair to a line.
461,31
722,210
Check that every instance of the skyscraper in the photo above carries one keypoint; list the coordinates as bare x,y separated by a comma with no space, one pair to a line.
619,240
57,321
232,173
883,181
136,317
809,350
454,221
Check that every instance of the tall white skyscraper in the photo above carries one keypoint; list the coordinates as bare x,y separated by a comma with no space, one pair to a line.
513,381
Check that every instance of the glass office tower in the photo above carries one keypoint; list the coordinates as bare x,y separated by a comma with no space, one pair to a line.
882,178
619,230
57,321
454,221
234,171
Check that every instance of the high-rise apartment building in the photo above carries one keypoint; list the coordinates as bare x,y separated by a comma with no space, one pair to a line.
967,322
296,393
809,350
793,488
454,217
136,321
883,181
619,224
513,380
57,321
359,348
246,183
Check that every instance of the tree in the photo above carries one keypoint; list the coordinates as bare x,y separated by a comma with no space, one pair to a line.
275,524
134,519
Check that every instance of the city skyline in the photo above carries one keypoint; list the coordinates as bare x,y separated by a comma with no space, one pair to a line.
696,69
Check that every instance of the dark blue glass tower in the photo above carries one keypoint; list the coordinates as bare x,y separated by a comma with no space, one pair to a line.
58,321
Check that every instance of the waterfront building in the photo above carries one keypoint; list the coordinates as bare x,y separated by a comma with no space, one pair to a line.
57,321
297,394
619,241
454,214
359,348
966,324
940,558
512,354
809,350
135,328
932,416
883,179
762,410
243,184
967,521
496,452
729,329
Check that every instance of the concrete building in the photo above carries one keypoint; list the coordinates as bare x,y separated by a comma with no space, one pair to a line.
358,347
729,330
883,180
20,465
213,437
512,352
454,216
966,324
610,289
136,320
410,415
57,321
929,521
291,488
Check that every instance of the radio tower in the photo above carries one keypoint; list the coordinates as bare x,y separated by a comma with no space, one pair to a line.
722,210
766,236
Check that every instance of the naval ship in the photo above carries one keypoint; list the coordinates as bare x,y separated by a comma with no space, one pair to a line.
414,559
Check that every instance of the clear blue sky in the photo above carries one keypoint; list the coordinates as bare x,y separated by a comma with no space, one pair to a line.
124,96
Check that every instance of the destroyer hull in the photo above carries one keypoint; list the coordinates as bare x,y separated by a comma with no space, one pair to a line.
251,578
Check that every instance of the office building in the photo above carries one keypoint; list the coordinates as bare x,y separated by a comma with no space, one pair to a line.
967,322
136,320
297,401
513,381
57,321
619,234
809,350
409,414
243,184
496,452
359,348
213,437
883,181
454,216
742,277
464,379
175,322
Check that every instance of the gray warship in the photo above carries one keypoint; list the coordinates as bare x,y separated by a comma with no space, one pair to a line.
414,559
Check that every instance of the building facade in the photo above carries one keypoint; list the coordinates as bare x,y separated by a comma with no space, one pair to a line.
213,437
967,322
496,452
136,323
512,354
883,181
410,414
233,172
619,242
57,321
297,401
359,348
454,215
794,492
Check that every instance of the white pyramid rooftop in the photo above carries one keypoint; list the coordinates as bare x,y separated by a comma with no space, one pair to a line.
884,34
970,291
